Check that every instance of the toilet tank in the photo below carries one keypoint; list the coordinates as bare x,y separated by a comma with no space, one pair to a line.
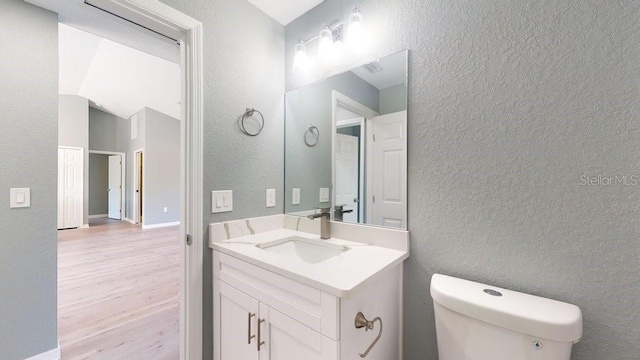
481,322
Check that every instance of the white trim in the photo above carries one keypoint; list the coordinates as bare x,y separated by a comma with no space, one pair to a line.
345,102
136,219
98,216
123,181
161,225
53,354
129,220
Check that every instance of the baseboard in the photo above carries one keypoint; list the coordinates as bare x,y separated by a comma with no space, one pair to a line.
129,220
98,216
84,226
53,354
155,226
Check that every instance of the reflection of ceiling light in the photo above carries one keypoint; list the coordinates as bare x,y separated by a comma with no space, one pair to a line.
325,46
300,60
373,67
331,42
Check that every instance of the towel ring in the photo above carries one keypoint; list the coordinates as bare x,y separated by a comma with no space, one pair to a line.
247,114
311,136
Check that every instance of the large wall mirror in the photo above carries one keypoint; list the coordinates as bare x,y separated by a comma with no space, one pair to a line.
346,145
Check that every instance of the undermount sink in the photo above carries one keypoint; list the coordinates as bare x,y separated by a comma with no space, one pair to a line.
308,250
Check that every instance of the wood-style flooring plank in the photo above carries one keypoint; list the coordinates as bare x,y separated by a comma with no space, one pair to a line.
118,292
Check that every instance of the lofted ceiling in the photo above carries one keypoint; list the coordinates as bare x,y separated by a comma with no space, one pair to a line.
115,78
285,11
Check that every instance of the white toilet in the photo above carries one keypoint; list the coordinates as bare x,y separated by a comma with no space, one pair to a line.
481,322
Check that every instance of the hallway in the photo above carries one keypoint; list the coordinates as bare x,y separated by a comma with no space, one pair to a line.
118,292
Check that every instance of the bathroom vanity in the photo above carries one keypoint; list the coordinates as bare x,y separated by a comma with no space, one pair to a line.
280,292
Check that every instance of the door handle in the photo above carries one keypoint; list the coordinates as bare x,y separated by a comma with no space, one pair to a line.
260,342
249,336
356,200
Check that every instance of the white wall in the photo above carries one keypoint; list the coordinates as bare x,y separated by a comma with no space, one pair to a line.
28,158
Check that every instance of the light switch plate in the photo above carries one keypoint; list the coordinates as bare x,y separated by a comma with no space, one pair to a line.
271,198
221,201
20,198
295,196
324,195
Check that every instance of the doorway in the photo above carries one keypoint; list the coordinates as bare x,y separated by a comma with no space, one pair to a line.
107,184
138,203
169,22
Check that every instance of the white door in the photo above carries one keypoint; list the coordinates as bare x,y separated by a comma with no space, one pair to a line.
70,187
115,187
60,188
389,170
347,180
238,325
287,339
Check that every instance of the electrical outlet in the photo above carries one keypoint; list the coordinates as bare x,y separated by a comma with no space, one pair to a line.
295,196
271,198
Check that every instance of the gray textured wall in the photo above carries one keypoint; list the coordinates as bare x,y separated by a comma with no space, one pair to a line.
161,168
98,184
393,99
243,67
73,130
108,132
309,168
28,143
509,104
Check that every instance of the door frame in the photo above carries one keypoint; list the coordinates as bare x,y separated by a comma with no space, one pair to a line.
361,175
341,100
168,21
123,193
136,211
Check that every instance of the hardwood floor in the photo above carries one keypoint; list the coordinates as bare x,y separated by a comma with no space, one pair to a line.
118,292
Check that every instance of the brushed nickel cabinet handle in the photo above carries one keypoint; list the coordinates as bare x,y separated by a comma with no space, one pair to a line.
249,336
260,342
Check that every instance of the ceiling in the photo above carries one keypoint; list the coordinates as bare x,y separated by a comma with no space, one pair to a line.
115,78
394,71
285,11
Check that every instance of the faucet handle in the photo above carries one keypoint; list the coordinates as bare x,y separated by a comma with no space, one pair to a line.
325,210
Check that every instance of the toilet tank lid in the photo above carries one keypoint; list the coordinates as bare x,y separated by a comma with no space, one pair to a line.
524,313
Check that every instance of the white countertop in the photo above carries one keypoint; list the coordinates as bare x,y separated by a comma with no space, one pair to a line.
340,275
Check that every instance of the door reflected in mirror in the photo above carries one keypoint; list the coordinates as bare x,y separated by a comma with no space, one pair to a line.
361,150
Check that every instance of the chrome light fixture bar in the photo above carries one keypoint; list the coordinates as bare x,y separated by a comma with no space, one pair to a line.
330,44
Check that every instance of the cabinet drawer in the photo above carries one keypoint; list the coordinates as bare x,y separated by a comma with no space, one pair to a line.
307,305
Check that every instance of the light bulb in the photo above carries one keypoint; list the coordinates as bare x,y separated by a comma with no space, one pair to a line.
325,46
355,31
300,60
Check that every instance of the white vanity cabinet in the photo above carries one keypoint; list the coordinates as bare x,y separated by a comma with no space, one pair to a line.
295,321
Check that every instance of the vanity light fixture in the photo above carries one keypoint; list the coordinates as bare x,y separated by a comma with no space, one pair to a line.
330,42
355,27
301,60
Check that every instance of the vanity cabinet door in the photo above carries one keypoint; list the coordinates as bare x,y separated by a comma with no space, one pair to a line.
287,339
238,324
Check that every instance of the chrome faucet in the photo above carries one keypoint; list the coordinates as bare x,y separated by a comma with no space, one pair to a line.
338,214
325,215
